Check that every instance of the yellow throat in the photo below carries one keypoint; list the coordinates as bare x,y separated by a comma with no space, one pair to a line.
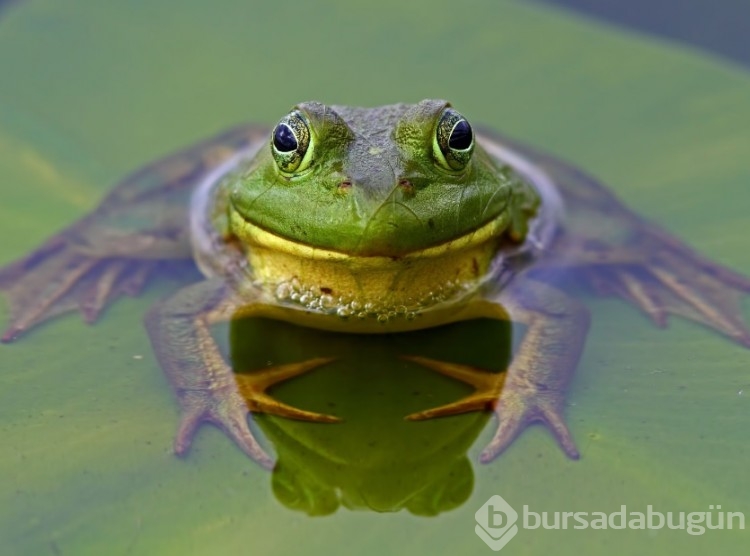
368,286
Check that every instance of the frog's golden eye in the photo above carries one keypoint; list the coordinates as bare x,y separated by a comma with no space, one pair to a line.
454,141
290,143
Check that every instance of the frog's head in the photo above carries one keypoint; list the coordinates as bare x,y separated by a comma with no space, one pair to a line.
372,187
383,181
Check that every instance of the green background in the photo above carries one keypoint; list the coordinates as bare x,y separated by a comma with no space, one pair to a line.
91,90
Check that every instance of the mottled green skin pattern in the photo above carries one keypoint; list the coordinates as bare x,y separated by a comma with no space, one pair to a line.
374,184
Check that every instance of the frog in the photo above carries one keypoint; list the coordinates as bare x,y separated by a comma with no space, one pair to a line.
369,221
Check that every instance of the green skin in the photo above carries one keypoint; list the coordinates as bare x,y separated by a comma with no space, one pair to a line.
373,183
373,150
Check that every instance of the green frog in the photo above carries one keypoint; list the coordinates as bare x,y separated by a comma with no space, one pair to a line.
369,220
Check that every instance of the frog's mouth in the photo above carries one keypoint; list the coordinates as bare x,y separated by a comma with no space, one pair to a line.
253,234
379,287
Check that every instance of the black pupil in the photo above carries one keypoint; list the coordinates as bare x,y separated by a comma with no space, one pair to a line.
284,139
460,138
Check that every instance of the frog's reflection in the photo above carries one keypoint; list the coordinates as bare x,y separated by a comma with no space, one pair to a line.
373,459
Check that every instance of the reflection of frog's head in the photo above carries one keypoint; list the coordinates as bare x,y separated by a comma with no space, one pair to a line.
374,459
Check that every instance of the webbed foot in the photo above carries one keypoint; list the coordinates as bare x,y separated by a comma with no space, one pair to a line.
517,403
226,402
56,279
225,408
675,280
226,405
205,385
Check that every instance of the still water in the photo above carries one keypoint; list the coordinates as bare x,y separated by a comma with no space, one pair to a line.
89,92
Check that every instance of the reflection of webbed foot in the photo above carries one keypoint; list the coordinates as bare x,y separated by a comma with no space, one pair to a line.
487,387
227,405
253,388
516,404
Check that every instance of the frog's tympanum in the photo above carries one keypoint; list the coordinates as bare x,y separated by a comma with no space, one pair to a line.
377,220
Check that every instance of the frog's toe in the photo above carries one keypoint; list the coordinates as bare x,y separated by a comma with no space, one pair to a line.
515,412
555,422
40,289
136,278
487,386
234,421
516,407
263,403
99,288
663,278
252,386
507,431
472,402
229,412
56,279
710,295
189,424
11,334
476,377
108,280
228,407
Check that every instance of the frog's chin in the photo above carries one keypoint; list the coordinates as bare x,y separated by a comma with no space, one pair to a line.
369,287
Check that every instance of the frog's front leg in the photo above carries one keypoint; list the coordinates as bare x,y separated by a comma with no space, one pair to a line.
206,387
533,387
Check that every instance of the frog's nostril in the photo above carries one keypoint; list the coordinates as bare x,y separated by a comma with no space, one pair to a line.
406,185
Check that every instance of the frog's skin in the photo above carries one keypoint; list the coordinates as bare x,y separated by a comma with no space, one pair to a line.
378,225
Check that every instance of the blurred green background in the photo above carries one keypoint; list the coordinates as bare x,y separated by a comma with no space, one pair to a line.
90,91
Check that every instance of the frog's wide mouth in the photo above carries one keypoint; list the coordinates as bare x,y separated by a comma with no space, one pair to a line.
253,234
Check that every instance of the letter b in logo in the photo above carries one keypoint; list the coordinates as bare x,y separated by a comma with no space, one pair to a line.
496,522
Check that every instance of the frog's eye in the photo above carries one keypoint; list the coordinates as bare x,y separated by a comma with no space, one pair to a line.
454,141
290,143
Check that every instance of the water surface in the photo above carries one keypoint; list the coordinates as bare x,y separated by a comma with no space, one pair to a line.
91,91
